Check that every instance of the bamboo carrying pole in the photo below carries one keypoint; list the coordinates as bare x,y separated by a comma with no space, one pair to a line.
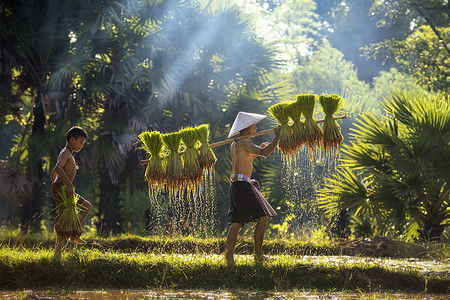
217,144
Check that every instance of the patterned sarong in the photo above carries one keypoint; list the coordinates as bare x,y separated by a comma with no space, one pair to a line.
270,212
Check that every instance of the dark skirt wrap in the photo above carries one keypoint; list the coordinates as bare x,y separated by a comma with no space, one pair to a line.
244,206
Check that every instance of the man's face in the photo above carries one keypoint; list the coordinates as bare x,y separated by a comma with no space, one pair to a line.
249,130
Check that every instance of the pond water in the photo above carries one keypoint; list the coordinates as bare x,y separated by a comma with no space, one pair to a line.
203,294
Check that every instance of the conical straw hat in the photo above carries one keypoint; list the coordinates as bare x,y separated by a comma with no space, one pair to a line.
244,120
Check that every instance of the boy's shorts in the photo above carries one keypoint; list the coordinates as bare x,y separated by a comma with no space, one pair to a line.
55,190
244,206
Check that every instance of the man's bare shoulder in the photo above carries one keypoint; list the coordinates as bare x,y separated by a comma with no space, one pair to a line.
248,146
244,143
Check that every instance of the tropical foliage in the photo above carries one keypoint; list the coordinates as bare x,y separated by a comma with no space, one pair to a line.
423,50
396,168
122,68
118,70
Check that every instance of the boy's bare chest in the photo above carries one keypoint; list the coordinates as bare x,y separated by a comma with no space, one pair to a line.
71,166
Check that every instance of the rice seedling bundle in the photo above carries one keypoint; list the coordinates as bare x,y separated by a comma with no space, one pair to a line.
192,171
286,142
313,133
152,143
174,165
298,127
332,136
68,225
207,159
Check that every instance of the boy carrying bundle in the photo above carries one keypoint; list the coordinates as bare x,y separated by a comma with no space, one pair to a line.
63,194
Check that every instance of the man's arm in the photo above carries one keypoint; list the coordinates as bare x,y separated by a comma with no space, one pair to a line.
266,148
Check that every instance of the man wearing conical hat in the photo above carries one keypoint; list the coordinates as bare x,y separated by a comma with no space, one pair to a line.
246,201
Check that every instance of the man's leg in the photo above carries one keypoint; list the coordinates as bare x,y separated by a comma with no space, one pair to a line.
231,241
259,235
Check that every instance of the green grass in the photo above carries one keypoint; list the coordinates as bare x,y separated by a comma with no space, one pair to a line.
133,262
96,269
191,245
179,245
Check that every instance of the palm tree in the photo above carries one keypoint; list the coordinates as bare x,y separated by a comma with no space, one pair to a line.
117,81
120,69
396,168
57,48
34,39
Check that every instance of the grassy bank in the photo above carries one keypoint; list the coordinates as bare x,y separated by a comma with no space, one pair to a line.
181,245
133,262
96,269
191,245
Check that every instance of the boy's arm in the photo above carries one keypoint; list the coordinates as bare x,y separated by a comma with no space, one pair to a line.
59,170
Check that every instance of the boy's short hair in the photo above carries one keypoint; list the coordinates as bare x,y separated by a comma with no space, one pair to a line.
76,132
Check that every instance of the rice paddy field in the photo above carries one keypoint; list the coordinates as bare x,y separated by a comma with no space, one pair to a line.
132,267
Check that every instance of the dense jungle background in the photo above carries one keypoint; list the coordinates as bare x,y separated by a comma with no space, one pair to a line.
118,68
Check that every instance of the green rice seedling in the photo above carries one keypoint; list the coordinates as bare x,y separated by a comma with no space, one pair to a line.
68,225
152,143
298,127
174,164
280,112
192,170
332,136
207,159
313,133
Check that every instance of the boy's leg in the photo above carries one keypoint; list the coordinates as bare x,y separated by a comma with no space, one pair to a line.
231,241
259,235
85,207
59,245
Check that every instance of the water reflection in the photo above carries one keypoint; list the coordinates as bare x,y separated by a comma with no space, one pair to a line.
202,294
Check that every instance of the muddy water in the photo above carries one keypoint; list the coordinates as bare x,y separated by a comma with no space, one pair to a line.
201,294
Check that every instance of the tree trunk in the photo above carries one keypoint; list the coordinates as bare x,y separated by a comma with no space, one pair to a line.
431,233
109,208
32,208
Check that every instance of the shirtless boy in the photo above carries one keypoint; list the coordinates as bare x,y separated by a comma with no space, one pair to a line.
244,204
63,174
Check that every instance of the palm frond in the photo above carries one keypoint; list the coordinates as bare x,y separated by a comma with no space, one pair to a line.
15,186
344,190
365,158
105,151
372,129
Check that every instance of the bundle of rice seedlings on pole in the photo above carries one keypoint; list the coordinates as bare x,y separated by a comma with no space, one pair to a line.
68,225
152,143
298,127
174,165
332,136
192,171
313,133
207,159
286,142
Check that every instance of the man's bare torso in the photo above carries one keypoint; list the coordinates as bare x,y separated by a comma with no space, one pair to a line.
242,159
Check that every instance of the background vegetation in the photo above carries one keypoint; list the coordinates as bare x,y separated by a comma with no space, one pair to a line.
117,68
